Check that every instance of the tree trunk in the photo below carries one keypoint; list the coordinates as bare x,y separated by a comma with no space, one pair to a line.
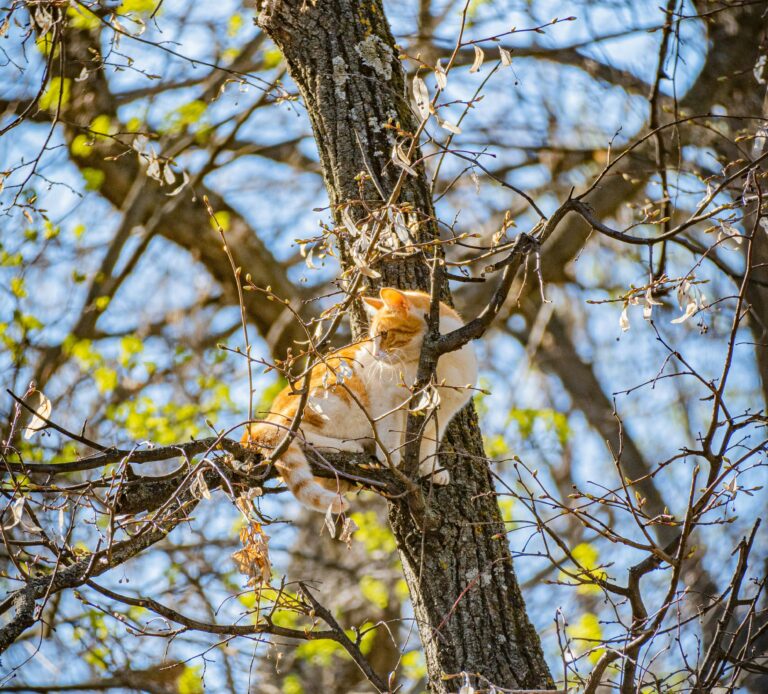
466,599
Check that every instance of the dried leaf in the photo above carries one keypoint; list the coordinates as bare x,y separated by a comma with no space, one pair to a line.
506,56
117,25
153,168
682,291
441,75
43,19
17,508
30,527
421,97
400,158
650,302
347,530
690,309
330,522
178,189
168,176
349,223
42,408
139,143
308,259
759,70
479,58
368,271
647,312
402,232
649,298
17,517
429,399
199,487
729,237
253,560
450,127
624,319
142,26
708,195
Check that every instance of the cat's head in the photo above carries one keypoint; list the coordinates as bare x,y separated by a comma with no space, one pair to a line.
397,323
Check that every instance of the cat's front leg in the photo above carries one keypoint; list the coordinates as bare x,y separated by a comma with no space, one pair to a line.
390,431
429,466
334,444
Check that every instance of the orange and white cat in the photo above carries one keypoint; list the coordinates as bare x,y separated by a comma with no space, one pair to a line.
359,397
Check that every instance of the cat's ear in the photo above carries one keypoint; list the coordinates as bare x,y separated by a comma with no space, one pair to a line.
371,305
395,300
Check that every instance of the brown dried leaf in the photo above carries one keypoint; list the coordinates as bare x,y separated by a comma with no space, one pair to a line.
347,530
42,409
253,560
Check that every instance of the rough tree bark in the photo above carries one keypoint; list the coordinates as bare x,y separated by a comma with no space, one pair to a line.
466,599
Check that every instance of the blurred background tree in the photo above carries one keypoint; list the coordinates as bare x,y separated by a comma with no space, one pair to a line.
119,303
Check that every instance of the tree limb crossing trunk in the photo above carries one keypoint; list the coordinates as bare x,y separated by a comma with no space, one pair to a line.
466,599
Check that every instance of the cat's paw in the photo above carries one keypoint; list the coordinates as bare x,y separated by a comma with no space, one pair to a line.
351,446
394,458
441,476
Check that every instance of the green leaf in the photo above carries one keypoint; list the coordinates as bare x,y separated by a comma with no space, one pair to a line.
414,666
51,230
82,352
56,90
105,378
29,322
272,58
185,115
17,287
102,127
374,591
10,259
81,18
139,6
588,630
223,218
374,535
527,419
234,24
190,681
130,346
94,178
292,685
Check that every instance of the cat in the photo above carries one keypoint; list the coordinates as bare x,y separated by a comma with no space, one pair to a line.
359,397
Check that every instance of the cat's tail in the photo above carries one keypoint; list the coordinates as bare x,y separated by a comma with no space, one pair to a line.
297,474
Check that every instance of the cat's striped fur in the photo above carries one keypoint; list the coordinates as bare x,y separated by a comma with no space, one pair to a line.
359,395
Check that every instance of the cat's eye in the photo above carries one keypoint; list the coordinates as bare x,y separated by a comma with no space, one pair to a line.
383,334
